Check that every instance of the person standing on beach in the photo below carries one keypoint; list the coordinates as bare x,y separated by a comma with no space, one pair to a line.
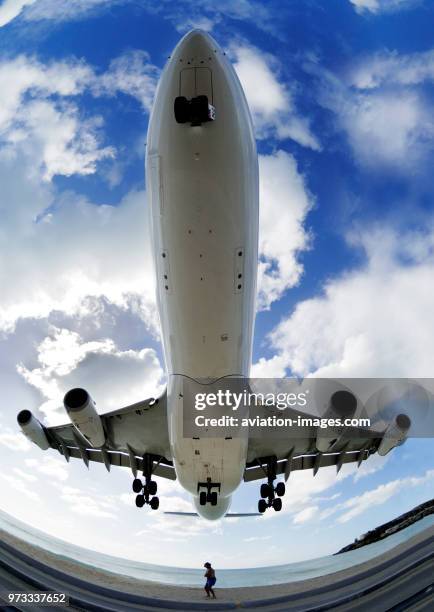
210,579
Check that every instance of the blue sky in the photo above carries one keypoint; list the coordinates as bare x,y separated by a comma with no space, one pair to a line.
341,95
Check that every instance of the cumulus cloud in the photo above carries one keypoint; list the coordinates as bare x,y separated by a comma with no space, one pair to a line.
13,440
60,10
62,248
49,466
375,320
131,74
38,116
271,103
114,378
393,68
388,127
11,9
378,496
305,515
382,6
284,197
94,505
41,117
382,107
21,486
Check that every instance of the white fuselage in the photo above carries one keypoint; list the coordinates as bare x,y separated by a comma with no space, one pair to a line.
202,186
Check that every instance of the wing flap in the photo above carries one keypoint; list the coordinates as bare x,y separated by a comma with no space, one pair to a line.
257,470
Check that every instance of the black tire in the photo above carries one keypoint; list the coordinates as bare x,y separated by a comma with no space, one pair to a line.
152,487
265,490
154,503
262,506
199,110
137,485
277,504
140,501
202,498
213,498
280,489
181,108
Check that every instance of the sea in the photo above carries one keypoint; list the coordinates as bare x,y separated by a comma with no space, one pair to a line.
259,576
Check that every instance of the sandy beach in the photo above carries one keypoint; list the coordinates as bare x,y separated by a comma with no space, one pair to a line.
180,594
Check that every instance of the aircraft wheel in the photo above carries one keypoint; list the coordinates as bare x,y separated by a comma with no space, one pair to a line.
277,504
154,503
213,498
152,487
140,501
137,485
202,498
280,489
181,109
262,506
265,490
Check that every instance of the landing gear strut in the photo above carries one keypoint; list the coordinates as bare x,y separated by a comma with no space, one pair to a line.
208,496
146,492
270,494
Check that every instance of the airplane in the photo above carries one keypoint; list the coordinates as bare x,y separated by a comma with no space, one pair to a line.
202,183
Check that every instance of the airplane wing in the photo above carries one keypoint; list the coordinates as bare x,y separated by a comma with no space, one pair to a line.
313,449
130,433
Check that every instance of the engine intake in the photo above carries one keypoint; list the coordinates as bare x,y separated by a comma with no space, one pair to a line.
33,429
81,410
342,405
395,434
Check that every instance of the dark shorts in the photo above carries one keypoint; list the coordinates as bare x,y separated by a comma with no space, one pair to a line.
211,582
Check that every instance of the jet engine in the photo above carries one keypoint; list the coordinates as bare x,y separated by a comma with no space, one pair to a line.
33,429
82,412
395,434
342,405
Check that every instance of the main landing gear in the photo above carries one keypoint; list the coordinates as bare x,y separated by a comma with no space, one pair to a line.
270,494
208,496
146,492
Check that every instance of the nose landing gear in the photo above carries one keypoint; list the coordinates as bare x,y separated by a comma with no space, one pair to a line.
146,492
208,496
270,494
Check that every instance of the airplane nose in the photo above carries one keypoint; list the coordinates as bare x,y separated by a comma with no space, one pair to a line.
196,45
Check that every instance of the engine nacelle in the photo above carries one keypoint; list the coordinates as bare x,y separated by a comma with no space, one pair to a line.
395,434
342,405
82,412
33,429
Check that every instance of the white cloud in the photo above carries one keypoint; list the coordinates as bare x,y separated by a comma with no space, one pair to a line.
358,329
25,475
270,102
62,10
114,378
131,74
36,117
378,496
87,505
11,9
306,515
21,486
383,6
49,466
14,441
40,115
382,110
284,204
391,128
98,243
390,67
